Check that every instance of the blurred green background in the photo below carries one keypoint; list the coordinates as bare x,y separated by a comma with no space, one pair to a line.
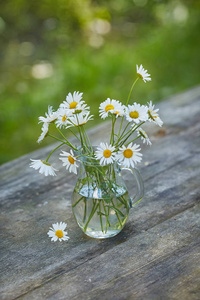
52,47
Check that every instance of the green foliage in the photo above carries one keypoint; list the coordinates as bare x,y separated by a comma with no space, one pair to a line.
80,52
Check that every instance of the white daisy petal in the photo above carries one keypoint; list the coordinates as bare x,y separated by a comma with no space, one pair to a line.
105,153
129,155
153,115
110,106
142,73
69,161
74,103
136,113
79,119
45,129
144,136
43,167
63,117
57,232
51,116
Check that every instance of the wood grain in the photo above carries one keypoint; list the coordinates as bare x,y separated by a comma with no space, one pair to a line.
157,254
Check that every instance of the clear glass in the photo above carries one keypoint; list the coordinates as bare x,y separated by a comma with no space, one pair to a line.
101,201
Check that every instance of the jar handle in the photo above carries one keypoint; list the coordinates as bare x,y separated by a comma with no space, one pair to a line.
140,185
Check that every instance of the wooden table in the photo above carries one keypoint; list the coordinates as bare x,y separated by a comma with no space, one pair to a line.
156,256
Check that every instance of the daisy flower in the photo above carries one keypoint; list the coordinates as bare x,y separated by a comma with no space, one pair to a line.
69,161
142,73
51,116
153,116
63,115
105,153
136,113
144,136
80,119
57,232
108,106
45,129
129,155
43,167
74,103
119,110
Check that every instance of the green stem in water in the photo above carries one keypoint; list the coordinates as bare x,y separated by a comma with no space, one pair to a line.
73,205
85,210
100,215
107,215
115,209
91,215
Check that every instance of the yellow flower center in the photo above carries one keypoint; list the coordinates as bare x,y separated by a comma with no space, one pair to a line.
73,105
109,107
64,118
134,114
116,113
139,75
71,159
128,153
107,153
59,233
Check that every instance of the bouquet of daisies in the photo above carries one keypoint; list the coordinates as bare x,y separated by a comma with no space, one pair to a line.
73,114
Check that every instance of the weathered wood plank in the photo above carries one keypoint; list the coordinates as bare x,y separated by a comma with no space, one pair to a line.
149,264
31,265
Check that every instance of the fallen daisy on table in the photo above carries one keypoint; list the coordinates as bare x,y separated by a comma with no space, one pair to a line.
57,232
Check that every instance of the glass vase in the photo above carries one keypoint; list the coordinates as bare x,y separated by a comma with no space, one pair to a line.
101,200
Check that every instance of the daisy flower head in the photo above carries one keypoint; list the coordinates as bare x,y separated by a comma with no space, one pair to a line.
79,119
144,136
57,232
153,115
63,115
108,106
142,73
51,116
130,155
136,113
69,161
43,167
105,153
45,129
74,103
119,110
